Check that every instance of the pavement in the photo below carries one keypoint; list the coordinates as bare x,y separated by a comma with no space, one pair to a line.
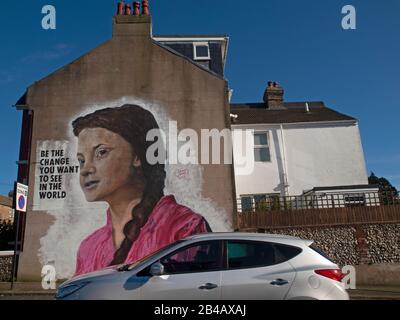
30,290
375,293
34,291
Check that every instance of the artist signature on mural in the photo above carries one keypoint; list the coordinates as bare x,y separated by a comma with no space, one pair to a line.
182,174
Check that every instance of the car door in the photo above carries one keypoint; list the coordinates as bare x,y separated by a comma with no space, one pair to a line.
190,273
253,272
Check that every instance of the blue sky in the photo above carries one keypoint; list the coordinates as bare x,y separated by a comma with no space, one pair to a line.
300,44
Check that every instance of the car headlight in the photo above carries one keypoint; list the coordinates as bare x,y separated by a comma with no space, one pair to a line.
69,289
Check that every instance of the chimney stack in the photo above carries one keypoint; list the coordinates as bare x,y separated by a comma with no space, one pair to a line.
129,21
273,96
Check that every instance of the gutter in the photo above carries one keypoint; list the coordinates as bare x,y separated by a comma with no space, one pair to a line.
296,123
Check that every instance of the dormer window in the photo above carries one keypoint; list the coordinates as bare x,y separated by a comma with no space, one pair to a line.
201,51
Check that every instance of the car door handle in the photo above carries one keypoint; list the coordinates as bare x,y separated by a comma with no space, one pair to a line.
208,286
279,282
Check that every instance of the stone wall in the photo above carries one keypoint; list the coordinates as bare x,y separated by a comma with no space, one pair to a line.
5,213
354,245
383,243
5,268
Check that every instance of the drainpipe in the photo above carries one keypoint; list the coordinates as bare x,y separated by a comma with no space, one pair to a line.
285,176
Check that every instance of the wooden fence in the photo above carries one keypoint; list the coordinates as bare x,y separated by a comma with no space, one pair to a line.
281,219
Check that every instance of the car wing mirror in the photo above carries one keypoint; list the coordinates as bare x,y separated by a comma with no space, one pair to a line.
157,269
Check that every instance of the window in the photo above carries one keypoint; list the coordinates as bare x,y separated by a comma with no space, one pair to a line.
246,254
247,203
202,257
260,202
355,200
261,147
257,254
285,252
201,51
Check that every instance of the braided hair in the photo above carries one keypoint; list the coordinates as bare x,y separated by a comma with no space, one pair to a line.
132,123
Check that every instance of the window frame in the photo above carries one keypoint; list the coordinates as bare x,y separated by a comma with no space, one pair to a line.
195,244
354,200
262,146
201,44
226,254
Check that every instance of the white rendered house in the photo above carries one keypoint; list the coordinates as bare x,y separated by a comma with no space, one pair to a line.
296,149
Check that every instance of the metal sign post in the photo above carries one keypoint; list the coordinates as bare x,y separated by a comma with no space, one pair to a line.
19,206
14,262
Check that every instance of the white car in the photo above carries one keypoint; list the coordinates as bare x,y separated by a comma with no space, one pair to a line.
218,266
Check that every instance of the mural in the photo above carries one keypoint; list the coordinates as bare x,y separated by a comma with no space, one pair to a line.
110,204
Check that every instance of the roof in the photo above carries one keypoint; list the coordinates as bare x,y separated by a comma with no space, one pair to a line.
292,112
183,45
275,238
187,58
6,201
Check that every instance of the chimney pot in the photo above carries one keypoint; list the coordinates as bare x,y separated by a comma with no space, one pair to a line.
120,10
136,10
145,7
128,10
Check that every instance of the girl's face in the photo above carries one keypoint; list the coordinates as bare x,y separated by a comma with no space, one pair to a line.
106,162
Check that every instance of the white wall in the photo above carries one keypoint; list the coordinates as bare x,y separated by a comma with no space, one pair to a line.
317,155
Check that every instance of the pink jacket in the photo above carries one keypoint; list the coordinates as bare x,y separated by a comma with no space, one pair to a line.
167,223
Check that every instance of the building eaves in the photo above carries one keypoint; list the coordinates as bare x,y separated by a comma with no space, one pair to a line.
350,187
211,36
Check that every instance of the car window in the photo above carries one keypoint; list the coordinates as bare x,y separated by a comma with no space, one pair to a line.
284,252
250,254
202,257
130,266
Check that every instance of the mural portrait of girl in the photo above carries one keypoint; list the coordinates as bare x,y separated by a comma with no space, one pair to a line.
113,168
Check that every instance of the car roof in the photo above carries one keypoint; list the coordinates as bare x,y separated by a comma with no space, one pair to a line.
245,236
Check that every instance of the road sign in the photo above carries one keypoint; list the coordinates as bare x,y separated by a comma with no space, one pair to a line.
21,197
